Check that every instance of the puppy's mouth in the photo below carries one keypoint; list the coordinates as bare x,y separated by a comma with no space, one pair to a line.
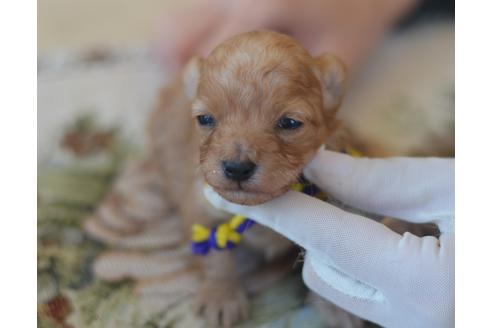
240,194
244,197
261,187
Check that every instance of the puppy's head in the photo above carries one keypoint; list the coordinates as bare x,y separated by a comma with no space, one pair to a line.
263,107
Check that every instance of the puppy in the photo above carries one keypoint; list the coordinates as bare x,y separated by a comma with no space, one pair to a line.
246,120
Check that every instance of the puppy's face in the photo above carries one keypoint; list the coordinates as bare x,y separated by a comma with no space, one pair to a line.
263,107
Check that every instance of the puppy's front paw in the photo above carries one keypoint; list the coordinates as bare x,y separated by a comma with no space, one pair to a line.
222,303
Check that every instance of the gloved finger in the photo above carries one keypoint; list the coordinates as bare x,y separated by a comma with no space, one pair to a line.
414,189
359,247
368,308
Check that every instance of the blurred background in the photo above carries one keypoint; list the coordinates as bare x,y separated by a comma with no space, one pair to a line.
94,57
81,25
101,64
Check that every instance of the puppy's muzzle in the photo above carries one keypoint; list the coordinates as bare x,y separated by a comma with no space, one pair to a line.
238,171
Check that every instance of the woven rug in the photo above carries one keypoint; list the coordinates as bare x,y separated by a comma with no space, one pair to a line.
138,281
92,107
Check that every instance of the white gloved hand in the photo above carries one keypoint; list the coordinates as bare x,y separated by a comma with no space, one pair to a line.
359,264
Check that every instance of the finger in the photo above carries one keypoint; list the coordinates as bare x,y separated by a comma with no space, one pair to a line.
347,44
182,31
330,42
366,308
232,26
360,247
242,16
413,189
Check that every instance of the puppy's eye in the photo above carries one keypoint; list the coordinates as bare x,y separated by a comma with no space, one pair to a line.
287,123
206,120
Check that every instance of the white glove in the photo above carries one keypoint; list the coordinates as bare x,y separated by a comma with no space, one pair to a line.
359,264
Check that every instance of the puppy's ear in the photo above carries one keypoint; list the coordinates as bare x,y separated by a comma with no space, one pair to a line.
332,75
191,76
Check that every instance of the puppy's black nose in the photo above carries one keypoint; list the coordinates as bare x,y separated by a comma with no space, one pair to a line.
238,171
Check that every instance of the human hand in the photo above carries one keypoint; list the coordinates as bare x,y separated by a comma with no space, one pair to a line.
347,28
359,264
